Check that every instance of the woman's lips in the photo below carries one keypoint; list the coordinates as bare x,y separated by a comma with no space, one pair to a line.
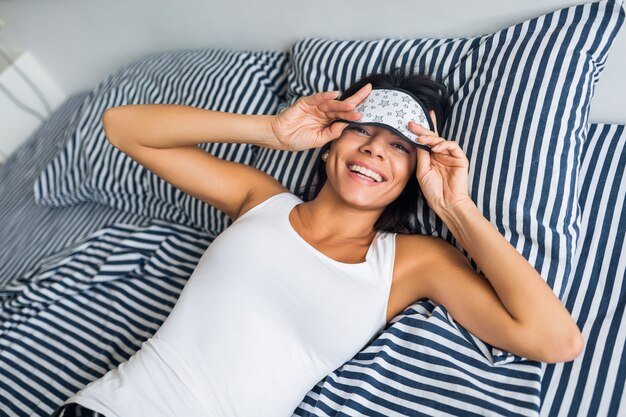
364,165
360,179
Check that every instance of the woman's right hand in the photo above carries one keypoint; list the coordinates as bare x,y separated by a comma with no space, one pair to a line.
308,123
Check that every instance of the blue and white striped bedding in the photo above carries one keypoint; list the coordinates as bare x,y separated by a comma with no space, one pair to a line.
82,286
31,232
89,169
593,385
88,285
520,105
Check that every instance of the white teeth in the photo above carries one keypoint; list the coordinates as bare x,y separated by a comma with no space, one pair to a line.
367,172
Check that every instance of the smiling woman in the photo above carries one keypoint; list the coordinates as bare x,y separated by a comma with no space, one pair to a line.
352,248
399,215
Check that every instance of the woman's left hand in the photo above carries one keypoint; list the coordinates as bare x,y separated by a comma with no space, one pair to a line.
443,174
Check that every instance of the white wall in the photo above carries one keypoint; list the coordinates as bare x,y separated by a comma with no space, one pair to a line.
81,41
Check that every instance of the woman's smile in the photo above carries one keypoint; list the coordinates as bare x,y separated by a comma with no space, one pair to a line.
360,178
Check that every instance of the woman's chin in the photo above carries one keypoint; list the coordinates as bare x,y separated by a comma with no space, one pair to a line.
365,197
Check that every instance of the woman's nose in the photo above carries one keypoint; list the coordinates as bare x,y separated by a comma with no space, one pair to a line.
374,147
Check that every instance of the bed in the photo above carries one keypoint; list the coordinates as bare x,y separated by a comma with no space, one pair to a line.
96,249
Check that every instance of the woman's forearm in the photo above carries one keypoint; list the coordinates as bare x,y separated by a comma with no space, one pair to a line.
171,125
522,291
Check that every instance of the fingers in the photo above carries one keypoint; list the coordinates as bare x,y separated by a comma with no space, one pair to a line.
331,108
449,147
330,97
420,130
327,100
442,147
340,110
437,145
335,105
427,137
334,130
423,163
431,141
359,96
319,98
352,116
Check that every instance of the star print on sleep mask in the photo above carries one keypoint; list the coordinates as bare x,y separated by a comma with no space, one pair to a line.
393,108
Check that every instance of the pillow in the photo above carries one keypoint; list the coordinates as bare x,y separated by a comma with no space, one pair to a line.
520,110
89,168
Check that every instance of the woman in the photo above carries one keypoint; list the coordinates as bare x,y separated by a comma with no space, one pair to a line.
293,289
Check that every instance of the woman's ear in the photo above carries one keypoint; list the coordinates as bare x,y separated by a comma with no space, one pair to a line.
434,119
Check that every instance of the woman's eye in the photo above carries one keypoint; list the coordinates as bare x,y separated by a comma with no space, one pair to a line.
401,147
358,129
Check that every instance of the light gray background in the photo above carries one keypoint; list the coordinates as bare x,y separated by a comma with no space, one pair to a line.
80,42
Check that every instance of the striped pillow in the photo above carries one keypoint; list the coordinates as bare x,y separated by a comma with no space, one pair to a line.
520,110
89,168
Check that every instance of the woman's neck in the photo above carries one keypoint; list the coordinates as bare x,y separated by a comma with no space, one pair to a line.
328,218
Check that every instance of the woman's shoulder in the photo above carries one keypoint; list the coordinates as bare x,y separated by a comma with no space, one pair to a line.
414,253
416,261
417,242
261,195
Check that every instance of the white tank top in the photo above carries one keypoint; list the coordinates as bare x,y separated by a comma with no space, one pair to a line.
261,320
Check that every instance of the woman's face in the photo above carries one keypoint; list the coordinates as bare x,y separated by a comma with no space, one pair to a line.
386,160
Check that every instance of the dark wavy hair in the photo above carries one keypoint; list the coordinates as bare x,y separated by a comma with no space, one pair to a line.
400,215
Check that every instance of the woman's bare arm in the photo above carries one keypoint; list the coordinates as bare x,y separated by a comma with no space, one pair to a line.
515,309
163,126
163,138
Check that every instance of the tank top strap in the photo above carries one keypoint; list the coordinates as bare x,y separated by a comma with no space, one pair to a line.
382,262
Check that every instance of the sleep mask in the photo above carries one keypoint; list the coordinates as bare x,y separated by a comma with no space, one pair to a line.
393,108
